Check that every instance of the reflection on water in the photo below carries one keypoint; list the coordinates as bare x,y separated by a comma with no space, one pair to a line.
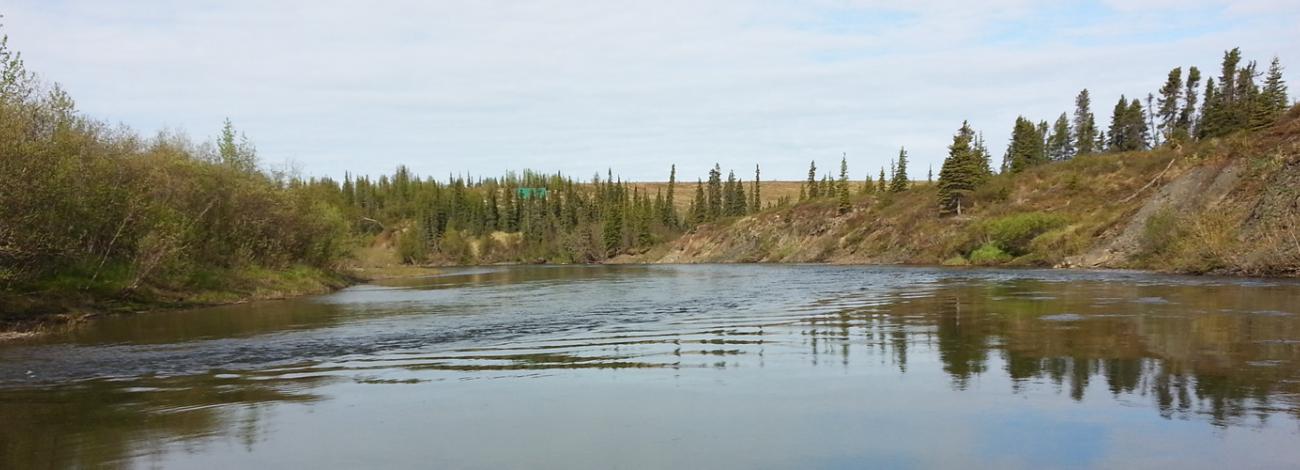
698,366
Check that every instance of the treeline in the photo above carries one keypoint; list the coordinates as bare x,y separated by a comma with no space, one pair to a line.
1237,102
85,206
530,217
514,218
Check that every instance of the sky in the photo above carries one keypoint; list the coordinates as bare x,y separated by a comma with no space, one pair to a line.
482,87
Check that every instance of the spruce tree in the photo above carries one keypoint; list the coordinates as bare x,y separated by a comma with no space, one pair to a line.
757,203
1187,116
1227,112
669,213
729,195
1061,144
1085,125
1139,137
901,181
959,174
812,180
1026,148
612,229
1208,121
1170,97
1120,123
1274,96
715,194
741,201
842,189
983,159
882,184
699,206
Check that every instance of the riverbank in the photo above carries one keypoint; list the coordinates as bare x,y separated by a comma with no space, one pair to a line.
29,314
54,308
1223,206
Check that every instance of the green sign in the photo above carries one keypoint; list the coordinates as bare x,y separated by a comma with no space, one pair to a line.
530,193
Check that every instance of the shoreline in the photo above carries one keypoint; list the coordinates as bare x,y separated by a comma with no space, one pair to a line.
73,317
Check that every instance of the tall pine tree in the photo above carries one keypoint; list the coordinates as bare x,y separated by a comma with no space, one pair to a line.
960,173
1060,146
901,181
842,186
1170,98
1085,125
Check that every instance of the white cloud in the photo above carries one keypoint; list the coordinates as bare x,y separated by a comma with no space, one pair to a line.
483,87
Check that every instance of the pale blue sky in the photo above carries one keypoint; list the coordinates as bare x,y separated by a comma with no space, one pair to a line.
482,87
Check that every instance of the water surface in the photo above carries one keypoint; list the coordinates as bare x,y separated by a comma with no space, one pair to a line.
736,366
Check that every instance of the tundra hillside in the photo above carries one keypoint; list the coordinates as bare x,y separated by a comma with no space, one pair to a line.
1226,205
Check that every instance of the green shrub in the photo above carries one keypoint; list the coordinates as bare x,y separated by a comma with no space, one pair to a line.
1160,233
989,254
956,261
996,189
1013,234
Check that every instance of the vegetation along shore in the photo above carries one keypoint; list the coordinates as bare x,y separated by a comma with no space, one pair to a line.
1200,176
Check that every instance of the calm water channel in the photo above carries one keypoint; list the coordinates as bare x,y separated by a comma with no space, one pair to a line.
682,367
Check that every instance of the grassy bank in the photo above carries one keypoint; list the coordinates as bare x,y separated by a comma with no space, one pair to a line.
1225,205
64,302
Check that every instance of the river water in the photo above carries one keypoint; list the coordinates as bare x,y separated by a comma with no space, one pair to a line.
706,366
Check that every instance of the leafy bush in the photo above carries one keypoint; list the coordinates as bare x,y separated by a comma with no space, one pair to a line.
989,254
1160,233
1013,234
86,207
996,189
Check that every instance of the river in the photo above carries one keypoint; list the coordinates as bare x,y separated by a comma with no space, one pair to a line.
700,366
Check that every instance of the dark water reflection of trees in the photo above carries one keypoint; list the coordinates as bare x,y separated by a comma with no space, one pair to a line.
1206,354
1223,355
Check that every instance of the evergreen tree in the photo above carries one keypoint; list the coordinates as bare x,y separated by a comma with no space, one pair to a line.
1060,146
729,195
843,186
700,206
882,184
1187,116
238,154
1128,126
1254,114
612,229
1274,96
1206,123
960,173
669,211
741,199
1026,148
812,180
1085,126
715,194
929,174
983,159
901,181
1227,112
1170,96
1139,132
756,203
